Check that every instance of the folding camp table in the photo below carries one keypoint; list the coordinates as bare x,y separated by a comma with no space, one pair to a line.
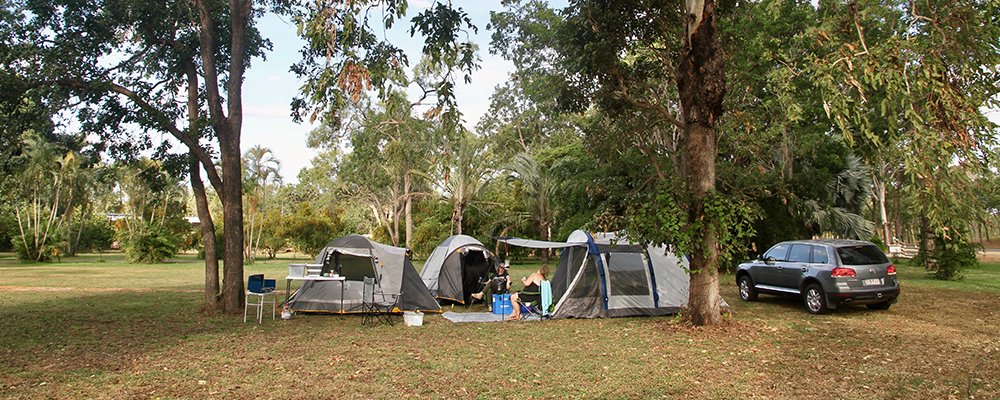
290,278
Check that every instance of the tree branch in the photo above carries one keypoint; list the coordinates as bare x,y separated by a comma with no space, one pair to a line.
206,38
165,124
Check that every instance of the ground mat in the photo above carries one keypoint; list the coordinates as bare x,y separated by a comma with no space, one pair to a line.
480,317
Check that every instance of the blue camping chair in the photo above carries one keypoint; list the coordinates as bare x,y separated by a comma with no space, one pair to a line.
259,288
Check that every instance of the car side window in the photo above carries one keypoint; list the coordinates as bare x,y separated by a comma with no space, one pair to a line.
778,252
800,253
819,255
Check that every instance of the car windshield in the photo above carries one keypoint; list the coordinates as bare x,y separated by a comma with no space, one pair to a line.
861,255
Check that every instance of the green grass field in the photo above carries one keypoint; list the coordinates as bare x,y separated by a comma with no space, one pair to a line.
97,327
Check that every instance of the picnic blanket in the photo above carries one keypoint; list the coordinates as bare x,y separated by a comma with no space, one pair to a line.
480,317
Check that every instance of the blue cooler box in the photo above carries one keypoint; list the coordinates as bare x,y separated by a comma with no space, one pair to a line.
501,304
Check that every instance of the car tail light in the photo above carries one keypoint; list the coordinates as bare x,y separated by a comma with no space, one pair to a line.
841,272
890,270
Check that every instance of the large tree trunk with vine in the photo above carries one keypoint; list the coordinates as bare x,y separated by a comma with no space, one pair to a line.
701,86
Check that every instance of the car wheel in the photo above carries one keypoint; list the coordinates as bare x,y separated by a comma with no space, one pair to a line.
880,306
747,292
815,299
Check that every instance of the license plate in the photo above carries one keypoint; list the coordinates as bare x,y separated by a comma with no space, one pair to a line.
871,282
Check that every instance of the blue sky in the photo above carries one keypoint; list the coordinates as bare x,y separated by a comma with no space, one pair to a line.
270,86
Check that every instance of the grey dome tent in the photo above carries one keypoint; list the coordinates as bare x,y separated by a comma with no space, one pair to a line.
602,275
454,269
356,257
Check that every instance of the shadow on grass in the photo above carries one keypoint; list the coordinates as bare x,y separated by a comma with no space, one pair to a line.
59,335
794,304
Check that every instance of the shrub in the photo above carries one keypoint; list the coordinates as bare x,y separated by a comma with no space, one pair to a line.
51,249
220,245
954,256
272,243
8,229
149,243
948,258
54,245
308,230
97,236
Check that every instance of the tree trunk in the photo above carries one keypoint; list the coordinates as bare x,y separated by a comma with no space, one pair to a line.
395,225
260,214
211,299
701,86
880,187
543,228
927,244
457,215
227,130
407,183
232,228
248,235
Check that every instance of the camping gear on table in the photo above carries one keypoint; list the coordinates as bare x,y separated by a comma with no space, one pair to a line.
355,257
605,275
457,267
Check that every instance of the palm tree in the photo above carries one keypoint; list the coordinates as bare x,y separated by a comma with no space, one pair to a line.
466,173
261,168
849,191
540,186
40,186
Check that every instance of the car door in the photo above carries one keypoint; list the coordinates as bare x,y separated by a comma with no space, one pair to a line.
820,258
798,261
767,271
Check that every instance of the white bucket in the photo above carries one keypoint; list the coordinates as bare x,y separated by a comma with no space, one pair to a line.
413,318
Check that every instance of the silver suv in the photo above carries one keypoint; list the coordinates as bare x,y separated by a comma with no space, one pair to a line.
826,273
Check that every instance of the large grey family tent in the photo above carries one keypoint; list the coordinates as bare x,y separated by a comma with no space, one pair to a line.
602,275
356,257
455,268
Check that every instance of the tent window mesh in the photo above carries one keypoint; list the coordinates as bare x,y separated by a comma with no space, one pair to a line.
570,262
627,274
353,267
585,300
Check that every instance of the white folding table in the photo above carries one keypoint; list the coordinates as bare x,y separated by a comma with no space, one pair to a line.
308,277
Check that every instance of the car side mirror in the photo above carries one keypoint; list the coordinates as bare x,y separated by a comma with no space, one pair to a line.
769,260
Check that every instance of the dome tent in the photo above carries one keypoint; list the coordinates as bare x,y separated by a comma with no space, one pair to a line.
454,269
356,257
604,275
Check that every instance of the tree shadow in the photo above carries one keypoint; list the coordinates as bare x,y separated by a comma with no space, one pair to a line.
52,334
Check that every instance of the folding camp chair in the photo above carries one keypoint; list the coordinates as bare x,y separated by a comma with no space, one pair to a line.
488,281
541,308
259,288
376,305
